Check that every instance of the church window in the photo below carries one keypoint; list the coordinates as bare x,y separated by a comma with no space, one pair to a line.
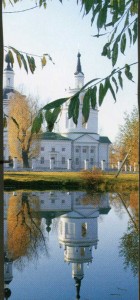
70,228
77,150
42,148
84,229
63,160
52,201
82,250
91,160
63,149
53,149
63,201
42,160
84,150
77,161
92,149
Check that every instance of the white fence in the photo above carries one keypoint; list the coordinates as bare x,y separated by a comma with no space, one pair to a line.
51,164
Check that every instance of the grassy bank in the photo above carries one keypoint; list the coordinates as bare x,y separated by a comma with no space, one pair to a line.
70,180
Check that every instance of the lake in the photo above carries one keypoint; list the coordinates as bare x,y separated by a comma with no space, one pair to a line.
68,245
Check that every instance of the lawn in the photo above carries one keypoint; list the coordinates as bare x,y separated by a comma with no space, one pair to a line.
76,180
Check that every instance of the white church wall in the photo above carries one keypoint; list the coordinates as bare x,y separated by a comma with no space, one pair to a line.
104,153
60,151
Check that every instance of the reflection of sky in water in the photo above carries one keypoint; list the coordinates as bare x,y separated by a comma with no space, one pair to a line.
104,278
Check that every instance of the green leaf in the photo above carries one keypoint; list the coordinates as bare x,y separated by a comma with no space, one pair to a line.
86,105
93,97
135,29
48,116
37,123
51,117
49,120
105,48
108,53
101,94
106,85
114,54
112,92
123,43
24,63
115,16
121,6
128,73
126,20
72,105
55,103
95,11
19,59
31,63
115,82
102,17
76,111
11,57
118,37
43,61
56,113
88,5
134,7
120,79
130,35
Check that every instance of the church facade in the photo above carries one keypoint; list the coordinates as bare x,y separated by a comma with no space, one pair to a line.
68,146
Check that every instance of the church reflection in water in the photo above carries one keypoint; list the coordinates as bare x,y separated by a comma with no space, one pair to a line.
78,214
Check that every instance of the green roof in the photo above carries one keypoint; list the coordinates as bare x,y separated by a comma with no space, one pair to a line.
104,139
53,136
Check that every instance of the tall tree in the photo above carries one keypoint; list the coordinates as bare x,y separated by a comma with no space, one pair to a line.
23,144
127,140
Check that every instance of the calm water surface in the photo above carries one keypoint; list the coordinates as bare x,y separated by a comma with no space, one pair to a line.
71,245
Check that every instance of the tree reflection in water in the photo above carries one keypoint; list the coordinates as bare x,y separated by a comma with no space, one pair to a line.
25,235
129,248
129,245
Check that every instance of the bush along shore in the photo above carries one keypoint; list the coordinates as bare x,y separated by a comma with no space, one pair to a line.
84,180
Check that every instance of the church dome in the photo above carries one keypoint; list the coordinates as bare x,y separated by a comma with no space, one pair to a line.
8,61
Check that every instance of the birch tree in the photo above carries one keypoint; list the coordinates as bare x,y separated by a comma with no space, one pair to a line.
23,144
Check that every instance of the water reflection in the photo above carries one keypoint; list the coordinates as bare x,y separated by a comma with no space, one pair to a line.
27,217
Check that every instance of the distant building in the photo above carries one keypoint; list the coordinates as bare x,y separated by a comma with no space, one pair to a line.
69,146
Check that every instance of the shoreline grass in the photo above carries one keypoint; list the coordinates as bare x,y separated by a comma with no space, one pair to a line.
70,180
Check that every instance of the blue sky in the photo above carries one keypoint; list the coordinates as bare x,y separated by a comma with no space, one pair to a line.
61,31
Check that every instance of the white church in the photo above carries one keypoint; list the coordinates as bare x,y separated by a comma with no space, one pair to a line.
68,146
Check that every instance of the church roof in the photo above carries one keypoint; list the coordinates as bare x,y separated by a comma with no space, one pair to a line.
104,139
53,136
79,68
104,210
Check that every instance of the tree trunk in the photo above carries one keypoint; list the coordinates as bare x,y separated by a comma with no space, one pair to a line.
25,158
